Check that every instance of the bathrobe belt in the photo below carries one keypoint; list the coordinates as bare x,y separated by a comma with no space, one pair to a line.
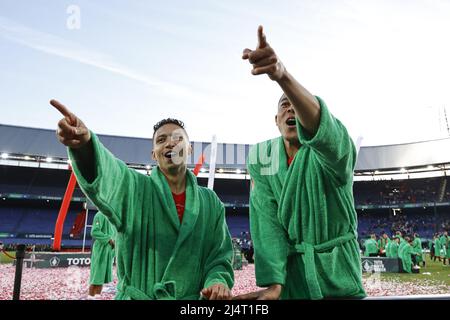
161,291
308,250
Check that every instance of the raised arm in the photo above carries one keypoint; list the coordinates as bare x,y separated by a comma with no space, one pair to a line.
265,61
316,126
106,180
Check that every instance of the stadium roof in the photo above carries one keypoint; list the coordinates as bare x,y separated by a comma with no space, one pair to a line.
416,154
42,142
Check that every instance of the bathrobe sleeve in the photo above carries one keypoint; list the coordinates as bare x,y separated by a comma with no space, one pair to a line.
269,238
332,145
114,185
218,266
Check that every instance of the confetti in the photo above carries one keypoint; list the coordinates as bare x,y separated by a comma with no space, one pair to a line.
72,284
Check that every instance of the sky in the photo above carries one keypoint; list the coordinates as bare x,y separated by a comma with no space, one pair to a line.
382,67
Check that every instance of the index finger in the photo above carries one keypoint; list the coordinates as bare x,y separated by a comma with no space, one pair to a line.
61,108
262,43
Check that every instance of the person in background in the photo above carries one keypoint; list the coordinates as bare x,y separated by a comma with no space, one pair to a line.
102,254
382,244
371,246
417,250
393,247
407,255
437,247
443,241
400,236
431,248
447,243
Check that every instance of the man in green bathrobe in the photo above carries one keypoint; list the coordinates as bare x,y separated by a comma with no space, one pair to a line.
431,248
382,244
302,216
405,252
393,247
172,238
371,247
417,249
386,248
437,248
402,243
102,254
400,236
447,246
444,249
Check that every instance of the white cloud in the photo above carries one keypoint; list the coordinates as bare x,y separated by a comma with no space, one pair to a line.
382,67
58,46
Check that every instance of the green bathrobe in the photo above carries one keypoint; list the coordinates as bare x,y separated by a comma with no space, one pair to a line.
157,256
102,252
386,248
302,217
404,253
417,249
443,242
382,244
393,249
371,247
448,249
430,244
237,258
437,247
400,246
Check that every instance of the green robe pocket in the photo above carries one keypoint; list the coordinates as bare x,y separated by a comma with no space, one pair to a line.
335,273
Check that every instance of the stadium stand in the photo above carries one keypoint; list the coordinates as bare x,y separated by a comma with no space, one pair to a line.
398,187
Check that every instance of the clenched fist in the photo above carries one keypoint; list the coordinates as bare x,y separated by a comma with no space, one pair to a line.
71,130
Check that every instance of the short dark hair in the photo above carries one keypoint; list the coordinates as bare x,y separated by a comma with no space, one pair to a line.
168,121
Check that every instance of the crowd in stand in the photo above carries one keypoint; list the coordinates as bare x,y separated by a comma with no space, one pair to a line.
400,191
425,224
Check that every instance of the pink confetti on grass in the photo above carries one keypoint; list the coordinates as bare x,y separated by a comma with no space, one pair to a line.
72,284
